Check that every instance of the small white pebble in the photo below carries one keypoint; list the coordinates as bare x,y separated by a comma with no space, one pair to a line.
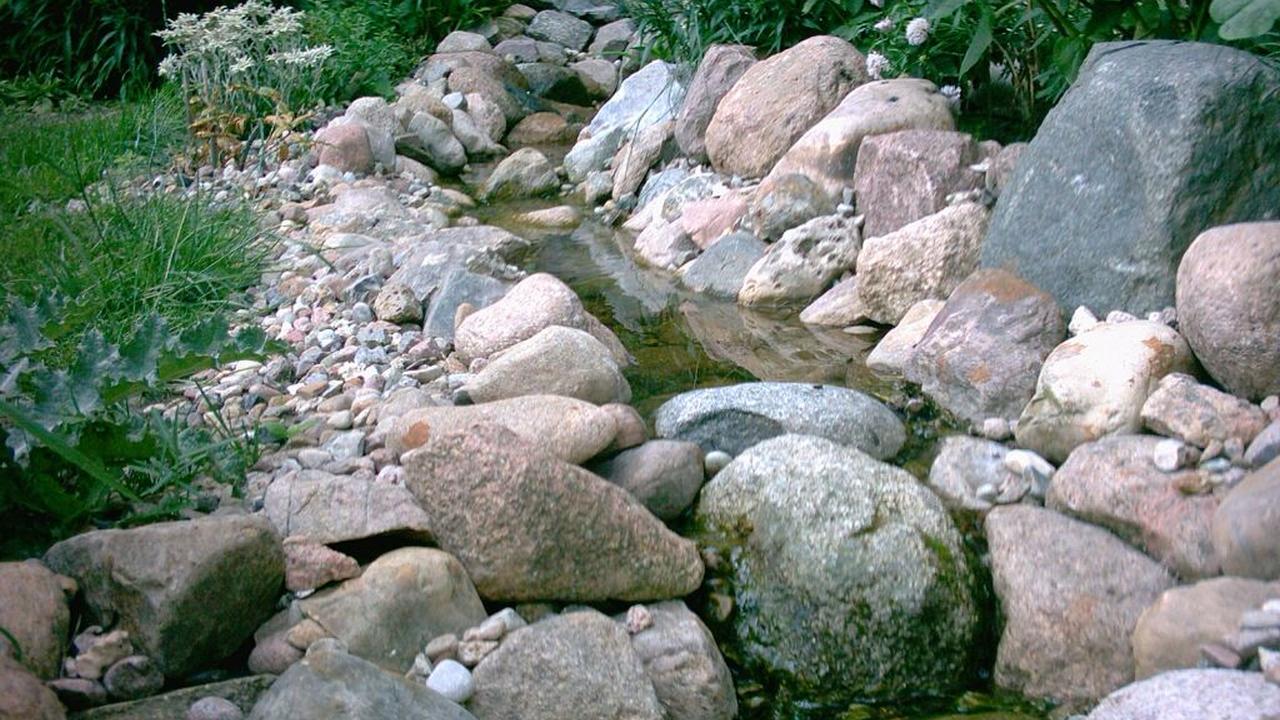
1172,455
639,619
1082,320
715,461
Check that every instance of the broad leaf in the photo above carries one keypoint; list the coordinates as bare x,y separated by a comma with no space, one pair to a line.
941,9
140,355
978,45
1244,19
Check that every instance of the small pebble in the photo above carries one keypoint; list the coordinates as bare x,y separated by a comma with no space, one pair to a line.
471,653
638,619
1172,455
443,647
452,680
715,461
1120,316
1082,320
996,428
1217,655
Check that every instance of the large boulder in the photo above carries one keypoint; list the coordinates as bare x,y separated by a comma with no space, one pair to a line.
35,615
328,508
735,417
1228,306
720,68
904,176
652,95
581,661
401,601
529,526
982,353
1096,383
1070,594
664,475
681,659
1193,695
188,593
560,28
1244,528
849,578
1170,632
828,152
1155,142
803,263
1114,483
557,360
775,101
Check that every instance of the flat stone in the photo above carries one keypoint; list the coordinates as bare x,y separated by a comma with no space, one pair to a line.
907,175
838,307
1182,408
720,270
892,354
327,508
309,565
1169,634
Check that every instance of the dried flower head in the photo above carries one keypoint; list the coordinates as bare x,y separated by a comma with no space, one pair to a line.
918,31
877,64
884,25
952,94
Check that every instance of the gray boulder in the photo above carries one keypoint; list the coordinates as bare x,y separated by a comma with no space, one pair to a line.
904,176
1193,695
560,28
664,475
803,263
328,508
524,173
721,269
650,96
786,202
681,659
556,361
719,69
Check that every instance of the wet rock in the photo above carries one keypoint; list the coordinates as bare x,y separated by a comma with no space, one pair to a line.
802,264
560,28
23,696
851,579
664,475
633,159
1170,632
1095,385
35,614
1244,528
925,259
722,268
556,361
608,678
904,176
524,173
132,678
838,307
894,351
1071,594
157,581
328,508
775,101
1113,483
1182,408
1124,187
1228,306
665,245
651,96
683,663
982,354
828,152
720,68
309,565
969,473
345,146
399,603
529,526
561,216
1192,695
785,202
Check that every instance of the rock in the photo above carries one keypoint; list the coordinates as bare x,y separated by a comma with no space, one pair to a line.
924,259
589,157
1182,408
1095,385
965,466
34,613
400,602
838,307
488,115
1123,187
608,679
459,41
132,678
273,655
1265,447
524,173
459,288
1170,632
1227,304
518,49
453,680
775,101
709,220
214,708
329,683
442,648
1071,595
1193,695
786,202
472,652
569,429
828,152
904,176
1113,483
664,475
542,128
632,429
721,269
397,304
408,167
556,361
309,565
555,82
96,651
612,40
633,159
851,580
649,97
802,264
157,580
1245,525
327,508
537,302
560,28
683,663
599,77
892,354
559,217
720,68
429,140
735,417
982,354
77,693
474,136
345,146
474,82
665,245
23,696
379,122
1001,166
529,526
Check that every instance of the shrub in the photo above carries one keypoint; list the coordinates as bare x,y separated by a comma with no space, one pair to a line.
370,55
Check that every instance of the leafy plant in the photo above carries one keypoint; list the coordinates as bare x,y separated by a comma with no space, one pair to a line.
1245,19
370,54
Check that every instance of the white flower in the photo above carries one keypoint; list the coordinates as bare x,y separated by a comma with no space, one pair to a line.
169,66
877,64
878,3
884,25
951,93
241,65
918,31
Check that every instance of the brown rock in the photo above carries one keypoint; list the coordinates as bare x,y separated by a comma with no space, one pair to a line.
543,128
310,565
23,696
1197,414
904,176
718,71
1245,526
346,147
33,610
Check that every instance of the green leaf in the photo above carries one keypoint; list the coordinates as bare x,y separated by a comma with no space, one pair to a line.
1244,19
90,466
140,355
93,365
941,9
982,38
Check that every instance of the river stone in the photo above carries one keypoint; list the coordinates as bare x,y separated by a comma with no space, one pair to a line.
309,565
652,95
1244,528
904,176
158,581
786,202
892,354
429,140
828,152
524,173
23,696
474,136
838,307
665,245
556,361
1113,483
681,659
542,128
401,601
964,465
924,259
329,683
720,68
1228,306
1265,447
328,508
133,677
34,612
851,578
1096,383
345,146
560,28
487,114
633,159
1193,695
555,82
590,663
474,82
599,77
612,40
591,155
803,263
721,269
777,100
380,124
982,354
529,526
569,429
1154,142
458,287
236,696
1198,414
710,219
1071,594
461,41
1170,632
664,475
